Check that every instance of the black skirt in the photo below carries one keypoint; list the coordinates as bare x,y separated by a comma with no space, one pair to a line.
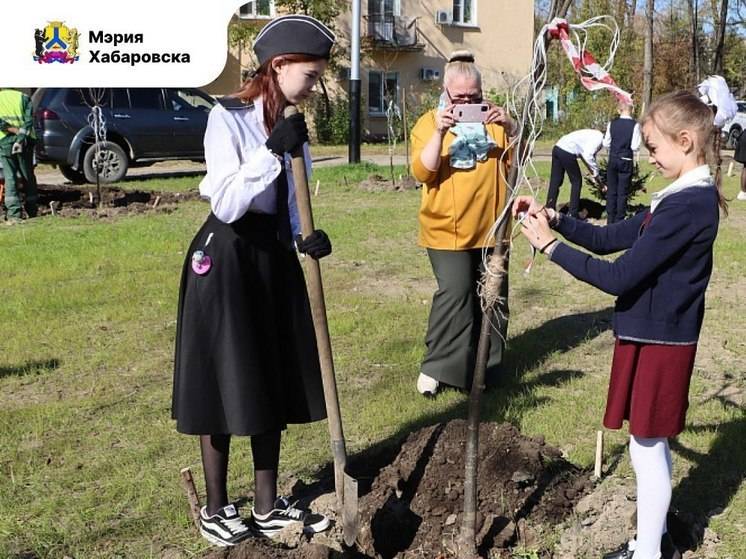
740,153
246,360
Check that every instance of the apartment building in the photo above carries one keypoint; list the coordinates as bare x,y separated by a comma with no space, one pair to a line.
406,44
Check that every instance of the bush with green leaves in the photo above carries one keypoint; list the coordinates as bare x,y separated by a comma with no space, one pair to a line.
332,121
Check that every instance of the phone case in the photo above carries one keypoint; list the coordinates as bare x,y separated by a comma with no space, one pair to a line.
471,112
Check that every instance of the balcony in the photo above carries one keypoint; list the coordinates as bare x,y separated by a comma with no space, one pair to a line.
390,32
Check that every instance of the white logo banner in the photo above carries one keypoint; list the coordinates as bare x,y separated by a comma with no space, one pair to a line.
138,43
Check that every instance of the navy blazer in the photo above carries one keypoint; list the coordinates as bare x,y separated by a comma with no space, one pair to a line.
661,279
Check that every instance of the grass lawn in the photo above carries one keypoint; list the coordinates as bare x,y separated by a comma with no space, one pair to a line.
89,458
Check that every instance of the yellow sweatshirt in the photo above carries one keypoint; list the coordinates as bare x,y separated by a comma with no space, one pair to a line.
459,206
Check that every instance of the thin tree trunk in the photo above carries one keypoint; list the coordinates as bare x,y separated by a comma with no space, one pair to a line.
621,14
632,11
647,88
717,59
694,31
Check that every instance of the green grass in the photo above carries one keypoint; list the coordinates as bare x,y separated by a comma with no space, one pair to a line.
89,458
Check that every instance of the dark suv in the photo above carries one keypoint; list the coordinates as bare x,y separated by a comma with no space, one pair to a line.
143,126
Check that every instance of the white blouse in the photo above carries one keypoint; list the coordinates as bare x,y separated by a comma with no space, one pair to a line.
585,143
241,172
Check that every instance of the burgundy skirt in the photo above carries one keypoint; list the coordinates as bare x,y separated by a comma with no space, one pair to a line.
649,387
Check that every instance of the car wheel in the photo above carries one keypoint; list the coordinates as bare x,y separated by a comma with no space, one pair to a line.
112,163
733,136
74,176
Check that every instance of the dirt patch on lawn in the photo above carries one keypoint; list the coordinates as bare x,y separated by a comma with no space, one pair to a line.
379,183
413,508
73,201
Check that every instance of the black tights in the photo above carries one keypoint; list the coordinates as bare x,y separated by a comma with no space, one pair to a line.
265,450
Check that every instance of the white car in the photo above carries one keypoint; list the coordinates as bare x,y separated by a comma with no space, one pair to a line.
733,128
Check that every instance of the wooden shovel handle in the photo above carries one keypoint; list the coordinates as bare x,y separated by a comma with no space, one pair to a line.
318,311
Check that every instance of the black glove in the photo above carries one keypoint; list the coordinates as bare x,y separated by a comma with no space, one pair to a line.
316,245
288,134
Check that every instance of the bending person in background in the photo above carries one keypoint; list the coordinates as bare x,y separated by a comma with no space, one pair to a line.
463,168
622,140
585,143
660,282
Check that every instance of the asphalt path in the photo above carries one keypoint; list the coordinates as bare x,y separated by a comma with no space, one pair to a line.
173,169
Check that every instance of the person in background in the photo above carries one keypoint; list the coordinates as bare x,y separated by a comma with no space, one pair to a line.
585,144
622,140
463,168
17,139
740,156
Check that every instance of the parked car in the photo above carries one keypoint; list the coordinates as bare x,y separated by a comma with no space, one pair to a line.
143,126
733,128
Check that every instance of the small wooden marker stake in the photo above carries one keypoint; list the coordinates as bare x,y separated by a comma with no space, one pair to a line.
157,199
316,190
187,481
599,453
730,169
90,197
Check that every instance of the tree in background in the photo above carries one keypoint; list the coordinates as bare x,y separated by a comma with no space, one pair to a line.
664,46
241,35
647,68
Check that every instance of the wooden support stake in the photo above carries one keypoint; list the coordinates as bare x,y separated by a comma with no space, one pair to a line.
316,190
51,208
187,481
90,197
157,199
730,169
599,453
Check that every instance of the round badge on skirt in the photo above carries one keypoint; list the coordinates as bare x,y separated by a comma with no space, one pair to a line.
201,263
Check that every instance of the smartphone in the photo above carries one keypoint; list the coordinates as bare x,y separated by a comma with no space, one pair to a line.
476,112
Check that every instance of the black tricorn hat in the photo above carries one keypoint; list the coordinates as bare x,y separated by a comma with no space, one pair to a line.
293,34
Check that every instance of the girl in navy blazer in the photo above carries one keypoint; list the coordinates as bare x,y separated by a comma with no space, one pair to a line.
660,284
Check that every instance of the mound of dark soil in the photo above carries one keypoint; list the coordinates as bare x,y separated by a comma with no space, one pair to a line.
414,505
68,201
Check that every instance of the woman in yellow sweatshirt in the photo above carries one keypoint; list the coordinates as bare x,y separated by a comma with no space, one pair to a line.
463,168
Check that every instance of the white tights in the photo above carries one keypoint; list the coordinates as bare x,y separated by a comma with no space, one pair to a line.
651,460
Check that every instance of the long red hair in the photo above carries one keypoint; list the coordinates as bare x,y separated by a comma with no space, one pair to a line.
264,84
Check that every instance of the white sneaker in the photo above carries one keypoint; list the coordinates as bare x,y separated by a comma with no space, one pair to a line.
285,514
427,386
741,195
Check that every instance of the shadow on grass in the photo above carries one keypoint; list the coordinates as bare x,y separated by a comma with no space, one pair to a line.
509,397
712,482
29,367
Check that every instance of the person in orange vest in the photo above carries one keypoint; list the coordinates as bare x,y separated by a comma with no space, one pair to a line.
463,168
17,140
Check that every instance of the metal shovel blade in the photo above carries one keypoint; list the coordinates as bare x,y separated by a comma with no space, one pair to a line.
350,511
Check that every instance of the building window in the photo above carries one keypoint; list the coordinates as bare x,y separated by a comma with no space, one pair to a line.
465,12
384,8
257,9
383,87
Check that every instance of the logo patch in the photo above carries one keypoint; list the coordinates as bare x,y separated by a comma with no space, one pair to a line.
56,43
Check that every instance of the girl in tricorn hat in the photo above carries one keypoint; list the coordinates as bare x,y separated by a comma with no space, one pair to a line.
246,361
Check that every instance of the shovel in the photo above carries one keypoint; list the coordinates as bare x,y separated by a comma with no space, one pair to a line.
345,485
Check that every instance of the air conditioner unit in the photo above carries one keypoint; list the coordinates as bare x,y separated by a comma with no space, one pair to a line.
443,17
429,74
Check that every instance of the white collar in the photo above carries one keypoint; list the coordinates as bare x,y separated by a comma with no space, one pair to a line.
699,176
